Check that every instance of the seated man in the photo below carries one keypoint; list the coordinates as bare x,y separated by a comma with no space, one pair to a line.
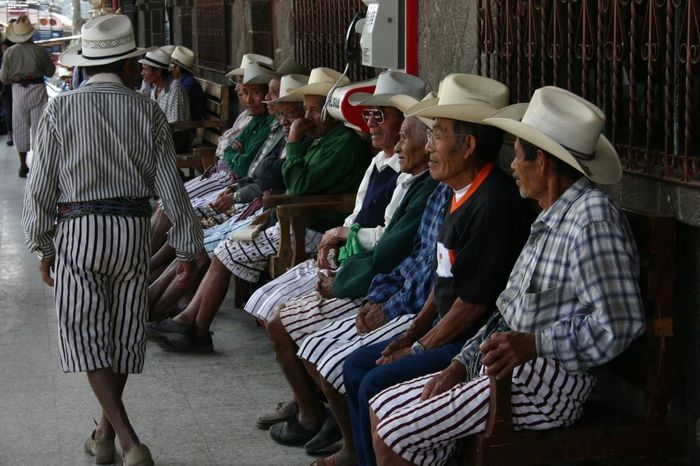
377,198
334,163
481,235
572,301
183,69
166,90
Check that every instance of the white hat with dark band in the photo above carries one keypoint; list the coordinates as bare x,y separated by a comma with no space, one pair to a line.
157,59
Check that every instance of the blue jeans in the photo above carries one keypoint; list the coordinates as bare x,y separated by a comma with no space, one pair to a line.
363,379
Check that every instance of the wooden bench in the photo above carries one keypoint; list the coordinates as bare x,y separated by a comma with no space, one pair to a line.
607,429
207,132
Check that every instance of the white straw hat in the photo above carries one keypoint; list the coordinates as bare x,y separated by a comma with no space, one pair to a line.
464,97
157,59
404,102
568,127
249,58
256,74
21,30
321,81
104,39
184,58
390,83
289,83
167,49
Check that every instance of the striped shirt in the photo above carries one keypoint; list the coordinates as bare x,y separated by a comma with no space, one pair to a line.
173,100
576,283
406,288
104,141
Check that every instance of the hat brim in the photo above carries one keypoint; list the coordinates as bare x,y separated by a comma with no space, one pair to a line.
289,98
420,106
143,61
370,100
19,38
462,112
191,69
72,57
404,102
603,168
237,72
320,89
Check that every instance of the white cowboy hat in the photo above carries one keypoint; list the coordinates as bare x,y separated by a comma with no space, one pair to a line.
390,83
21,30
167,49
321,81
184,58
291,66
289,83
570,128
404,102
104,39
249,58
157,59
464,97
256,74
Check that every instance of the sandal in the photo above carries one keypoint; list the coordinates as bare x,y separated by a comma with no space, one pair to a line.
284,412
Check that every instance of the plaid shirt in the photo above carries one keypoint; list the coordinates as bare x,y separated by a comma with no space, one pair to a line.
575,284
406,288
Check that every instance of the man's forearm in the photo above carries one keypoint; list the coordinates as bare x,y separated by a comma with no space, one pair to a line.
461,318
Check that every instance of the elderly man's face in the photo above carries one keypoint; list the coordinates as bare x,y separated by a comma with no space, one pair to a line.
150,74
316,127
528,177
273,92
288,112
238,87
385,129
253,96
448,151
413,158
176,71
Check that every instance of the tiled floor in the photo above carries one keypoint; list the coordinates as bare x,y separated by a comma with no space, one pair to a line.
190,409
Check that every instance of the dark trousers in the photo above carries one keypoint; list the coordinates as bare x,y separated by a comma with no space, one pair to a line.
363,379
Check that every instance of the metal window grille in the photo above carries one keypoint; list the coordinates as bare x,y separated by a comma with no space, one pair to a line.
319,34
636,59
211,30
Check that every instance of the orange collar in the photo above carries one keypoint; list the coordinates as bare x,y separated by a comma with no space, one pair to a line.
480,177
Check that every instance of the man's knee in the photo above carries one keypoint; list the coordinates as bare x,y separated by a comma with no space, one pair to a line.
277,333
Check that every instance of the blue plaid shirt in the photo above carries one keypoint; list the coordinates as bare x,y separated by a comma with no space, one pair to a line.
576,283
407,287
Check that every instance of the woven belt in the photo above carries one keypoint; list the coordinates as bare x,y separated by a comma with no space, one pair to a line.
118,206
27,82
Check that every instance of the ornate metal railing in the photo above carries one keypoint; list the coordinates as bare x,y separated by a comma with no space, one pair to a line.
319,34
636,59
211,34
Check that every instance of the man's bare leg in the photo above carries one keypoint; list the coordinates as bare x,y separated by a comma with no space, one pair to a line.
311,413
163,257
108,388
23,163
160,224
385,455
165,293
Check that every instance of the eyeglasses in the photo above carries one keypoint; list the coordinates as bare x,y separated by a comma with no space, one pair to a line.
368,113
437,136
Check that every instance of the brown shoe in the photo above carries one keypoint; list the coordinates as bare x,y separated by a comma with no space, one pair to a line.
139,455
102,449
284,412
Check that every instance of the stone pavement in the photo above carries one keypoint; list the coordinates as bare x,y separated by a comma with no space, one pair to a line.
191,410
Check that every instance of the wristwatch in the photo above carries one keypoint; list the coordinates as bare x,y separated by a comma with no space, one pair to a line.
417,348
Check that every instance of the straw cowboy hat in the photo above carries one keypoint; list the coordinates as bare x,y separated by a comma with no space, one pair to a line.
389,84
464,97
291,66
105,39
184,58
404,102
568,127
21,30
321,81
256,74
249,58
167,49
157,59
289,83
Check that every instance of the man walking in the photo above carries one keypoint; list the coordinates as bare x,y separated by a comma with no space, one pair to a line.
102,151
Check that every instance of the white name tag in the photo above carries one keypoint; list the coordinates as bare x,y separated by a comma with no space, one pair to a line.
444,261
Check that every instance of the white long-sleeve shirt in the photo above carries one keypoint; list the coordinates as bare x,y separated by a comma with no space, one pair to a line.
104,141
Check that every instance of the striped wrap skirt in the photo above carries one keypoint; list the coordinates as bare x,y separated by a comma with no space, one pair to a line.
28,104
101,288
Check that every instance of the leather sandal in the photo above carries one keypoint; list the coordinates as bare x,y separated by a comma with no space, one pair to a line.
284,412
102,449
139,455
291,433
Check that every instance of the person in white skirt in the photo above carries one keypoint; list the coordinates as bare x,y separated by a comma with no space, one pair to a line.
102,152
572,301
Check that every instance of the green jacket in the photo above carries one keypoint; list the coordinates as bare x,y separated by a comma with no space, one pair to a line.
253,136
354,278
335,163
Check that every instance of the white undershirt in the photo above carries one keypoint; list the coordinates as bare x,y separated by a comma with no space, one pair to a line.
459,193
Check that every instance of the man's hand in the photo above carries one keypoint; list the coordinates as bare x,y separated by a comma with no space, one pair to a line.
223,203
505,351
368,317
299,128
45,268
261,219
334,237
185,273
396,349
444,381
324,286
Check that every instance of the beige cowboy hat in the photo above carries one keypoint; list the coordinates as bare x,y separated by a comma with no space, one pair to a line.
389,84
464,97
321,81
157,59
289,83
21,30
184,58
291,66
404,102
249,58
167,49
568,127
256,74
104,39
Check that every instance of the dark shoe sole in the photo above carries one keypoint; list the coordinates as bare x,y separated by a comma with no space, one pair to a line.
175,342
